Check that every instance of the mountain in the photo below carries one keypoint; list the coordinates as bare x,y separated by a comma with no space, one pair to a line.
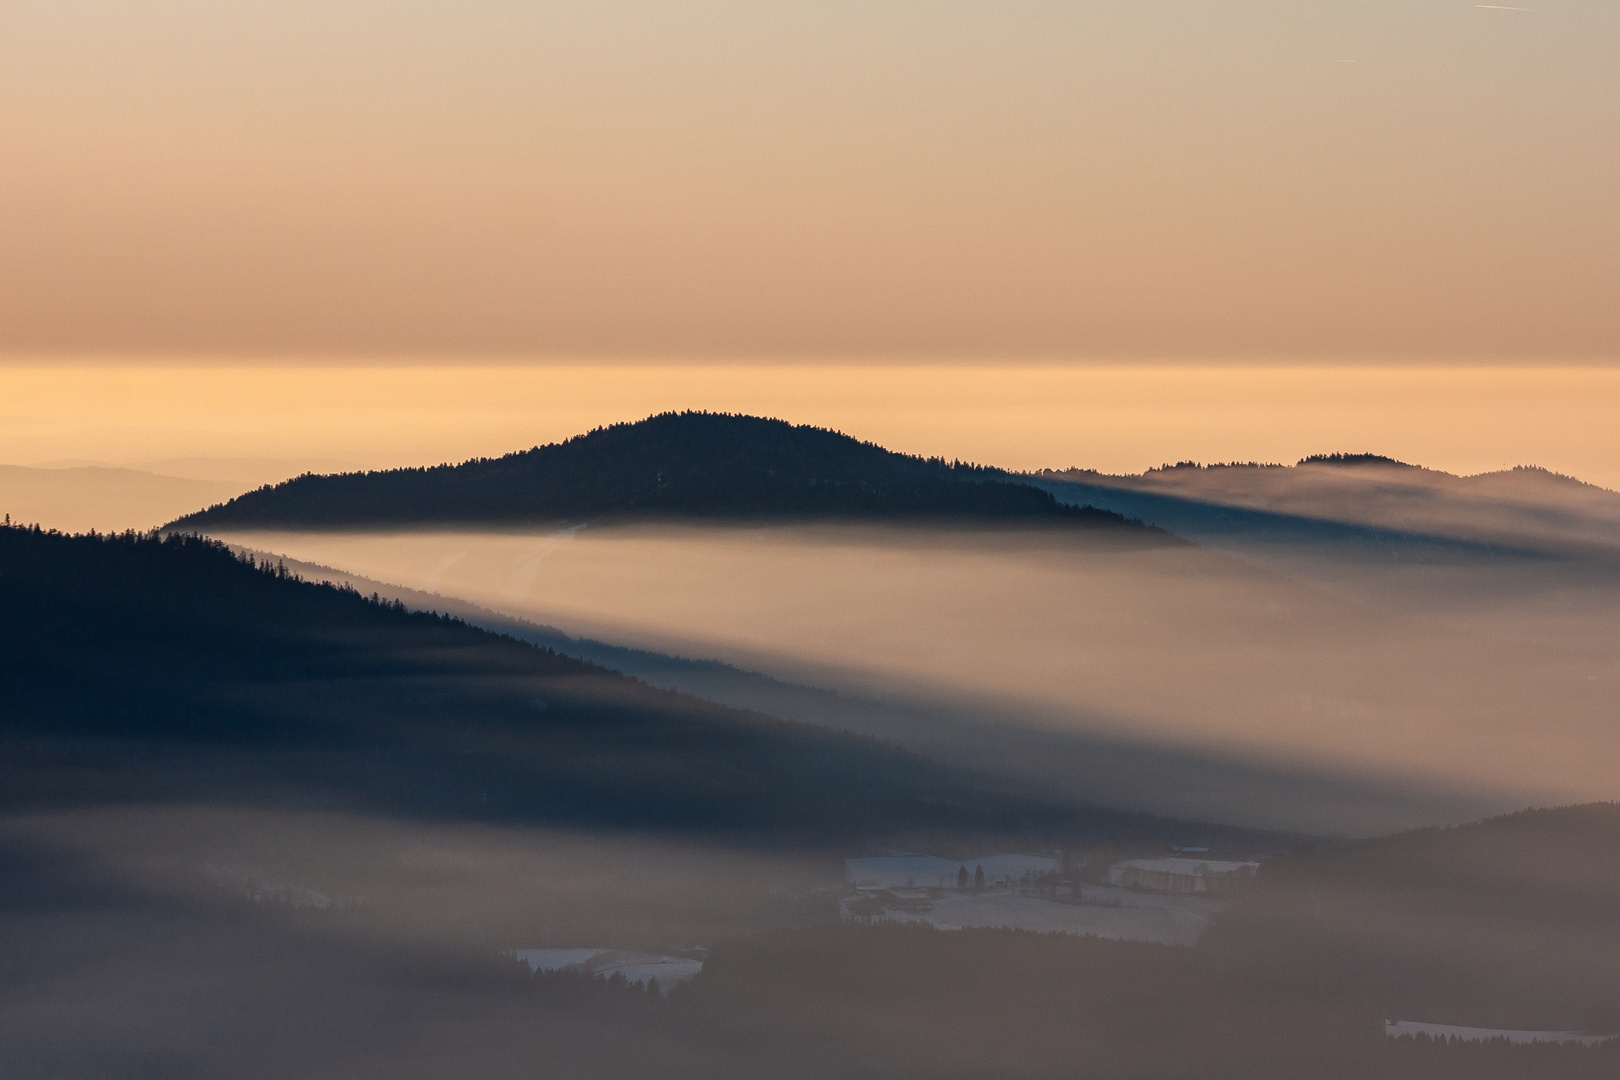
1362,498
147,668
1503,923
108,499
241,473
674,465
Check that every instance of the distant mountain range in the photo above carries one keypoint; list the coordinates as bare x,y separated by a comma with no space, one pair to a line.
1360,499
80,498
689,465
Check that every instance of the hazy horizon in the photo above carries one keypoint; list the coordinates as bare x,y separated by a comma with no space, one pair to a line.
1120,418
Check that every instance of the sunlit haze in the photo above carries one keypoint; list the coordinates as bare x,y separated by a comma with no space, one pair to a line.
1122,418
627,177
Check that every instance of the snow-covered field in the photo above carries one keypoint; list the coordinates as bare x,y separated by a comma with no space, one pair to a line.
1169,920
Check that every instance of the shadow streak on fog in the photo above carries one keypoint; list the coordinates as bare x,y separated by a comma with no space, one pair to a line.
1327,691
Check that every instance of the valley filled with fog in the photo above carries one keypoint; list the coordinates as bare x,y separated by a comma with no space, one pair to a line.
1319,687
713,746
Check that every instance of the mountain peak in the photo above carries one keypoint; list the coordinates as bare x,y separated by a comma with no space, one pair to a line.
685,465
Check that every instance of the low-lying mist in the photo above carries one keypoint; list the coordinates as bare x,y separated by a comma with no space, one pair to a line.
209,941
1178,652
206,941
432,886
1420,542
1524,508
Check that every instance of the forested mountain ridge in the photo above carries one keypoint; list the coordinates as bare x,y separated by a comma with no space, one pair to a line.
1365,498
168,668
674,465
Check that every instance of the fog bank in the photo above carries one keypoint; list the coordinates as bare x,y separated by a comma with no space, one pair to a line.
1186,652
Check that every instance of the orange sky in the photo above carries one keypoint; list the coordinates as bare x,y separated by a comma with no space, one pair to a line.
1115,418
1106,233
1035,180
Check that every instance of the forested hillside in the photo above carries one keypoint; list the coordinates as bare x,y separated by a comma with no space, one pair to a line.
295,726
1505,923
138,667
675,465
1364,500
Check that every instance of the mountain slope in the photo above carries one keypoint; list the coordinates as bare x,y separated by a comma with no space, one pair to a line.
167,668
1504,923
1363,498
680,465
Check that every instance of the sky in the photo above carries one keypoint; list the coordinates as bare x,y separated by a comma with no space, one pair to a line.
1117,418
1033,234
1007,182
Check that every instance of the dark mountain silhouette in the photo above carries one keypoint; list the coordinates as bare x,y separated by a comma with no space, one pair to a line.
675,465
168,668
1340,458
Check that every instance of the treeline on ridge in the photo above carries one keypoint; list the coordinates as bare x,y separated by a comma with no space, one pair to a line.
674,465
